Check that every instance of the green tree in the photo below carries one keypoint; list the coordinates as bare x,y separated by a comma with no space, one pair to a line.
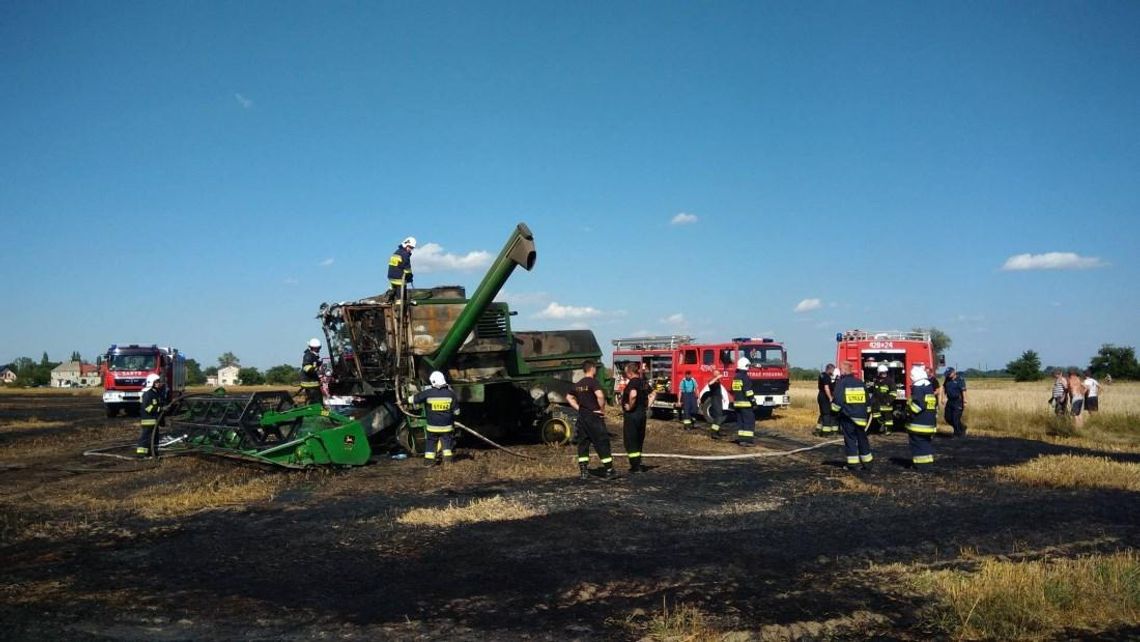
44,359
1025,368
939,339
283,374
250,377
228,359
194,376
211,371
75,356
1118,361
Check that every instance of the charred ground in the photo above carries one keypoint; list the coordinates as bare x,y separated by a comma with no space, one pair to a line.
789,547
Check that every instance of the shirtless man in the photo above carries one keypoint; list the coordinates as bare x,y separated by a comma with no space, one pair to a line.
1077,397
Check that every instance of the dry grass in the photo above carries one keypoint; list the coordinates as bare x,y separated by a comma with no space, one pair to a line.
31,423
742,508
682,623
492,509
1072,471
1034,600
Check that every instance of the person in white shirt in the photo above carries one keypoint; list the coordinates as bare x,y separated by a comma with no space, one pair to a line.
1092,397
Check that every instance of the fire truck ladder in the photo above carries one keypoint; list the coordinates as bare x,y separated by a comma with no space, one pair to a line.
664,342
888,335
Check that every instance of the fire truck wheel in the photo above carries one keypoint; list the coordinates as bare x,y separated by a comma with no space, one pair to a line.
556,431
112,411
705,408
764,412
131,411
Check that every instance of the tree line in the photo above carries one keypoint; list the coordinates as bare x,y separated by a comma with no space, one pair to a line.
1117,361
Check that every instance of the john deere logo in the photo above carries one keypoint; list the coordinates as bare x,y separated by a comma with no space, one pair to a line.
349,442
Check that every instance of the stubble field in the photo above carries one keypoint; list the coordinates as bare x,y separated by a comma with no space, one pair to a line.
1028,530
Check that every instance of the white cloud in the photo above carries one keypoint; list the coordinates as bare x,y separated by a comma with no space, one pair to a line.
558,311
807,305
327,262
684,219
1051,261
675,319
246,103
523,298
430,257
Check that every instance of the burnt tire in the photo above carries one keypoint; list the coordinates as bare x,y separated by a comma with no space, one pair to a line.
556,431
410,440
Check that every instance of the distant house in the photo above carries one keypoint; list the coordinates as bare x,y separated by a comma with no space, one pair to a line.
7,375
227,376
75,374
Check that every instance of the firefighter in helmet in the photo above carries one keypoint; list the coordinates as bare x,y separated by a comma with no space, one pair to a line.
400,269
150,407
310,372
851,406
870,371
883,398
442,407
923,423
742,399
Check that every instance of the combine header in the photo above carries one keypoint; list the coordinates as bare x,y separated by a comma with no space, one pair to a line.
266,428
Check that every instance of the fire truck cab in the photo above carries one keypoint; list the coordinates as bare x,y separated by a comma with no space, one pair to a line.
124,371
665,360
894,349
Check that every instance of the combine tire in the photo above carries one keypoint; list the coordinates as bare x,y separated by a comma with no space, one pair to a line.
556,431
409,440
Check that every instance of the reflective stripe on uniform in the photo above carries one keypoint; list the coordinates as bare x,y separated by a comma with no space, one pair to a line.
915,407
748,393
866,459
742,404
923,459
396,281
852,459
447,453
745,433
439,429
429,454
714,428
607,460
862,423
583,460
925,430
835,408
632,455
310,384
148,423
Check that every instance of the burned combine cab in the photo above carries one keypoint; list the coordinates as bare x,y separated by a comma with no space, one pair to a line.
509,382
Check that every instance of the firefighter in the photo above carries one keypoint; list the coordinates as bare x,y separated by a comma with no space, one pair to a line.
310,372
400,269
742,397
923,423
826,424
716,407
688,400
150,406
870,371
588,400
635,400
850,404
442,407
954,393
883,398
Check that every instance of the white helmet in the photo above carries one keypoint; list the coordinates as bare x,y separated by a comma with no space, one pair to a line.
743,363
882,367
314,343
437,380
410,242
151,378
917,373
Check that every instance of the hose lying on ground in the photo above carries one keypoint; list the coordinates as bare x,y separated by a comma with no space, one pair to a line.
502,448
774,453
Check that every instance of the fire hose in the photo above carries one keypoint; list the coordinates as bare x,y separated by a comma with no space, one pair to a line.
773,453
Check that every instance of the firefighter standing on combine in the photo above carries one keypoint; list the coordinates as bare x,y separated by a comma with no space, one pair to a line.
883,398
150,406
588,400
441,408
310,372
923,422
688,400
400,270
851,408
742,397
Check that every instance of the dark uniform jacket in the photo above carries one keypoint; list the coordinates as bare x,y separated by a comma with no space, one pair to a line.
310,365
150,406
954,389
884,392
639,404
850,400
923,408
824,382
742,390
585,391
400,266
442,405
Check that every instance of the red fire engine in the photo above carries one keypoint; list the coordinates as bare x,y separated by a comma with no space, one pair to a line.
665,360
896,350
125,369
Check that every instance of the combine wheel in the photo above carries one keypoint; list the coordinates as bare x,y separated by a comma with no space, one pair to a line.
556,431
409,440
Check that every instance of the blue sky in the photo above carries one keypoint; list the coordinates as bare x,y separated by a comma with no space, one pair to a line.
205,174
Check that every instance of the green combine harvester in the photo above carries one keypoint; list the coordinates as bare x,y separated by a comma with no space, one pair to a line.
511,384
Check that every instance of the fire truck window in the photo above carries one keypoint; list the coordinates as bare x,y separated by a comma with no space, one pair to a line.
707,358
726,357
690,358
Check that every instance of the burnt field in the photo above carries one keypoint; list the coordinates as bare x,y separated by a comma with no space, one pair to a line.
495,547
